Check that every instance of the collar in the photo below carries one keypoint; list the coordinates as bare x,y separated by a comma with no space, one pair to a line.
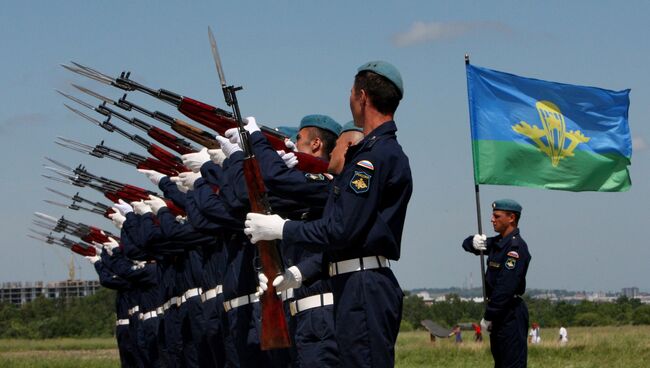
505,241
386,129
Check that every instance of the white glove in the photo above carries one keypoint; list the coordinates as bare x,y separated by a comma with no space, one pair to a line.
290,145
292,278
179,185
153,175
263,227
140,208
155,203
486,325
289,158
251,125
92,259
98,249
122,207
233,136
227,147
195,160
264,282
117,218
479,242
217,156
111,244
186,179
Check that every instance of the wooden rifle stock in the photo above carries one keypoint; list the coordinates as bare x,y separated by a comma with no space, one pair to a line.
275,332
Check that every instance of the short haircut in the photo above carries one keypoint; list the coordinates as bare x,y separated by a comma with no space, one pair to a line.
385,95
328,138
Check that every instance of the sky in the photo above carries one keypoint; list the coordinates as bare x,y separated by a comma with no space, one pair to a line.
295,58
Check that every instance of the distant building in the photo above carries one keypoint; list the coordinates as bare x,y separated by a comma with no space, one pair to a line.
20,293
631,292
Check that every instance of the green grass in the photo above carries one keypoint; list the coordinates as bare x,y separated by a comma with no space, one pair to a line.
627,346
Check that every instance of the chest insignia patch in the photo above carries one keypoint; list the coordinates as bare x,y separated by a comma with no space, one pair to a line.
360,182
510,263
366,164
315,177
494,264
513,254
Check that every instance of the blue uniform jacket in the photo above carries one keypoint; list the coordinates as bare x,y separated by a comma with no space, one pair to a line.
109,280
171,191
366,207
146,279
505,278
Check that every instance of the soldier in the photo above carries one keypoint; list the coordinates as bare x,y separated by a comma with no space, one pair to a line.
362,223
506,314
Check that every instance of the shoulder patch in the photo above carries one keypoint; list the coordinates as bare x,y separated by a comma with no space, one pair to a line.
510,263
366,164
513,254
315,177
360,182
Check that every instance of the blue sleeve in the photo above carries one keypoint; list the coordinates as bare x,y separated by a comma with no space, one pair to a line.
233,191
213,208
108,279
311,267
125,269
170,191
212,173
181,235
310,189
468,245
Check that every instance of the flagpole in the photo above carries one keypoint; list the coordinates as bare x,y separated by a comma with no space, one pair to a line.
477,197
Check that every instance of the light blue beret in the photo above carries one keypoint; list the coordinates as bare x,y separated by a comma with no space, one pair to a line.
386,70
506,205
350,126
321,121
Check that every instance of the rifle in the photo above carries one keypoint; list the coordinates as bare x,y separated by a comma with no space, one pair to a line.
83,249
111,189
84,232
97,207
133,159
200,136
212,117
156,151
171,141
275,333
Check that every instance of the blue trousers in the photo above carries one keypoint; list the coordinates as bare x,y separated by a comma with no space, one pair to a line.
314,338
367,315
214,339
127,347
508,338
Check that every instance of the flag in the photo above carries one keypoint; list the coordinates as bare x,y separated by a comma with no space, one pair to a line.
535,133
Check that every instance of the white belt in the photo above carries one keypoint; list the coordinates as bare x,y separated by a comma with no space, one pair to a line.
167,305
241,301
134,310
190,293
286,294
310,302
148,315
174,301
122,322
160,311
212,293
358,264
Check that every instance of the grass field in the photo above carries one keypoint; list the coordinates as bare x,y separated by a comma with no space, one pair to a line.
626,346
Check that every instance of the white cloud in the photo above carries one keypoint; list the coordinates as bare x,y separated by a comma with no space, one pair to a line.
422,32
639,144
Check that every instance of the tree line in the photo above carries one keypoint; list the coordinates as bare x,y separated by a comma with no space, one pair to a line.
94,316
453,310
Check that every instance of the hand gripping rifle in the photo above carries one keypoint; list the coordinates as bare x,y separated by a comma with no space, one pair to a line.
212,117
82,249
133,159
275,333
111,189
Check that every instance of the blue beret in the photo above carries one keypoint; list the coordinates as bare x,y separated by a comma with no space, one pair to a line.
386,70
321,121
506,205
350,126
287,130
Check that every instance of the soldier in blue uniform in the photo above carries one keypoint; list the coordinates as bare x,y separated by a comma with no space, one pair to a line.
362,223
506,314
